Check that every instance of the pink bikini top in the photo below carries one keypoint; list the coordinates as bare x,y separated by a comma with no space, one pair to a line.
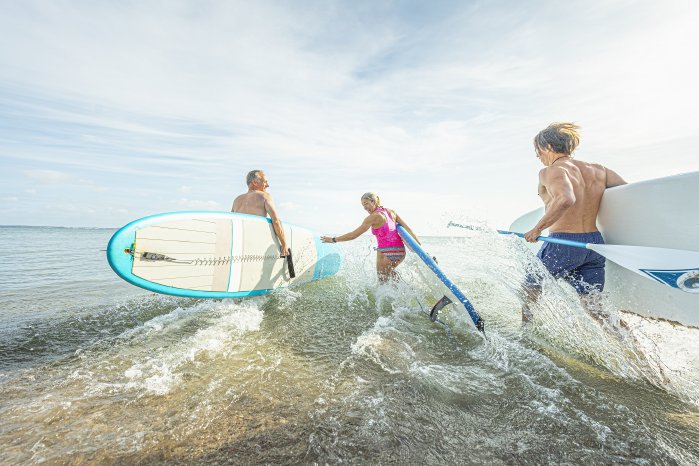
386,234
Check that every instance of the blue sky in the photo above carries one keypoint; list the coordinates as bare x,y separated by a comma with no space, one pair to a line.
110,111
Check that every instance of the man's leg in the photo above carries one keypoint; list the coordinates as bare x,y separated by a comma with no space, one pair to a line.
531,293
531,288
591,283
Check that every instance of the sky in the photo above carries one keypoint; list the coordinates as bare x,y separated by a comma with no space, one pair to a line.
111,111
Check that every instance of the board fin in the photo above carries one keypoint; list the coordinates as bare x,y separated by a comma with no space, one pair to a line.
440,304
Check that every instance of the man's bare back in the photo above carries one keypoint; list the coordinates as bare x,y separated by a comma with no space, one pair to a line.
572,191
588,180
258,202
253,203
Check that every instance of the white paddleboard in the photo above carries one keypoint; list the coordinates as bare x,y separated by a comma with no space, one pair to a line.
662,213
206,254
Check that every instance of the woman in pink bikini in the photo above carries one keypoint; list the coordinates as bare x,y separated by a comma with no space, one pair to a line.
391,249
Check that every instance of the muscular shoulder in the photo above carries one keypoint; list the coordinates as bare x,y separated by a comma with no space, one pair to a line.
256,197
238,200
591,170
582,165
548,173
375,219
375,216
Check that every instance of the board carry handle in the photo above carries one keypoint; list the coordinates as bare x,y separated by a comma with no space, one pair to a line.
290,265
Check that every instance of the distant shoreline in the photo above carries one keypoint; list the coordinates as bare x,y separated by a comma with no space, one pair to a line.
54,226
367,235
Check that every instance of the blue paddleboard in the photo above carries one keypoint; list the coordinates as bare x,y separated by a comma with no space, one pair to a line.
410,241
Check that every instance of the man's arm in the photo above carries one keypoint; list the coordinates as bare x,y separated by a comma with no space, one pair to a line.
276,223
613,178
559,187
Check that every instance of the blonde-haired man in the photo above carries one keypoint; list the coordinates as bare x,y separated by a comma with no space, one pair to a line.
571,191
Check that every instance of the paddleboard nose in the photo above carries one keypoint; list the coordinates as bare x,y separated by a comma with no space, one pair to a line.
689,281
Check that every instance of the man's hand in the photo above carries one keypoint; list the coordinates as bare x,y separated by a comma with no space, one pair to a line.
532,235
285,250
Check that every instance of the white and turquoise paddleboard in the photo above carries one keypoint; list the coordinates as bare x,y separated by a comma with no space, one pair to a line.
660,213
205,254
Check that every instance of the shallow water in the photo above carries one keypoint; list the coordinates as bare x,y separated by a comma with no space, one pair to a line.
95,370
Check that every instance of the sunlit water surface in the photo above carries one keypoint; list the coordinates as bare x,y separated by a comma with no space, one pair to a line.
95,370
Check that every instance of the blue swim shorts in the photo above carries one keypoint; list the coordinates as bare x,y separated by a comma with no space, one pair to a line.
582,268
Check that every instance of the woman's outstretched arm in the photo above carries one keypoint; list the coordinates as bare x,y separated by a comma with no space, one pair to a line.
354,234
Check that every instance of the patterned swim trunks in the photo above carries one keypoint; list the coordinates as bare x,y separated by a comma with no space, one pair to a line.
393,253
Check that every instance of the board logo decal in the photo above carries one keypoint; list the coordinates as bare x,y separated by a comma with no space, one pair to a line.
685,280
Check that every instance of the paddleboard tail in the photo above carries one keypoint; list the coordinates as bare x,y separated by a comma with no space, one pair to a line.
432,265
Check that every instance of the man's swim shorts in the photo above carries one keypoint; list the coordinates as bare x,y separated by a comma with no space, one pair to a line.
582,268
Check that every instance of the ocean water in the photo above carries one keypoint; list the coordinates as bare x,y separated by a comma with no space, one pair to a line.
342,370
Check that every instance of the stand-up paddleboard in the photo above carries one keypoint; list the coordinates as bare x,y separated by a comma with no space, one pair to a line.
206,254
660,213
453,293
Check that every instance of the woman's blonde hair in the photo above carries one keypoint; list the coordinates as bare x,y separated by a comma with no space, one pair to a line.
373,197
562,137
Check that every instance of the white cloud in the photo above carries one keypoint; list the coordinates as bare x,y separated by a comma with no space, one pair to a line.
192,204
289,206
50,176
69,208
334,101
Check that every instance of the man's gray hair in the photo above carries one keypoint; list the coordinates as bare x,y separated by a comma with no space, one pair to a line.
252,176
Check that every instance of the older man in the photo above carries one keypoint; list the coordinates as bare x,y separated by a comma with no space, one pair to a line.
259,202
571,191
